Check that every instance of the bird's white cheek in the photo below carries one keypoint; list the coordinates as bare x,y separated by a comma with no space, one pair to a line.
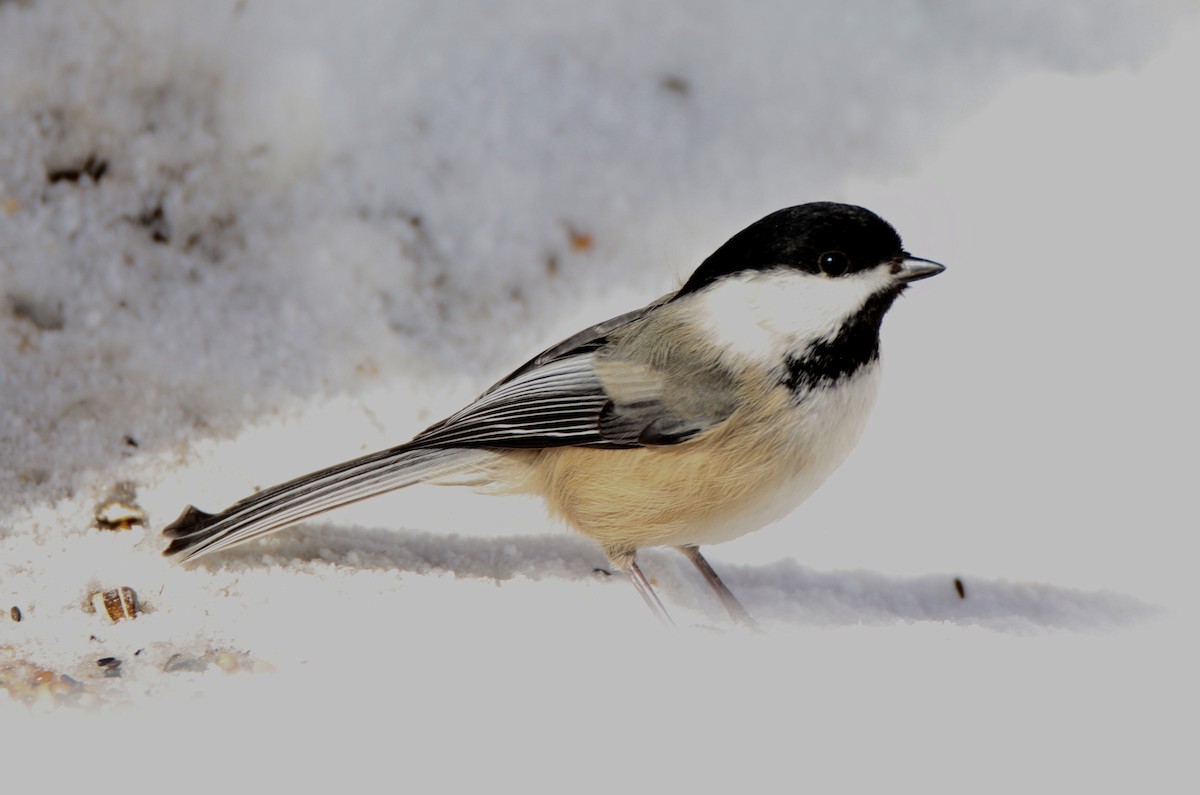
727,316
765,315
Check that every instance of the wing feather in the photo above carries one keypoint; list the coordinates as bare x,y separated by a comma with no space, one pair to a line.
553,405
576,393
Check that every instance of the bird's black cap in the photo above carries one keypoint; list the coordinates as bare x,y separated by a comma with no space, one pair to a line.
799,237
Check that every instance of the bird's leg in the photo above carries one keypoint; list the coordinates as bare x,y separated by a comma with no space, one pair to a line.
628,564
736,611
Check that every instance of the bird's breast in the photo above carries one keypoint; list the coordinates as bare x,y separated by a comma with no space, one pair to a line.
818,432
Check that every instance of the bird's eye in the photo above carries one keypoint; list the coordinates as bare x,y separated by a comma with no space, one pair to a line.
833,263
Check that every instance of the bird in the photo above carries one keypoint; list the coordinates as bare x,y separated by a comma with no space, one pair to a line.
709,413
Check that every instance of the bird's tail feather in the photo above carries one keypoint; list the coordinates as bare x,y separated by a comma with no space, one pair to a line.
197,533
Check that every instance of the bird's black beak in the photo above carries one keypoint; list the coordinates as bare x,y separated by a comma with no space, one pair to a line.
911,269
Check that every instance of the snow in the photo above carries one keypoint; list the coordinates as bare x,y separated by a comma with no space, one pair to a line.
243,240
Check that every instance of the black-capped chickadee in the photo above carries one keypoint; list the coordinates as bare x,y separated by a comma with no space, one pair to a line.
707,414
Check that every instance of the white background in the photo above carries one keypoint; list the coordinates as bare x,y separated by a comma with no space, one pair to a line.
367,214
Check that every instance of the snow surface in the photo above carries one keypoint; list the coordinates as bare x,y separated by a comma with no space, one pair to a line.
242,240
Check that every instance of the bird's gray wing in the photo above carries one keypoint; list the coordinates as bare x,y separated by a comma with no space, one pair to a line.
577,393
